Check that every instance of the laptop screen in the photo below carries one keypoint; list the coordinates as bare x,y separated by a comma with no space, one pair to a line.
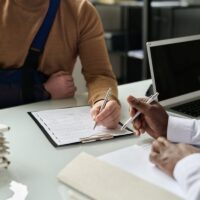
176,68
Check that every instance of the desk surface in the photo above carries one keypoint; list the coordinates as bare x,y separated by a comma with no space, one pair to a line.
36,163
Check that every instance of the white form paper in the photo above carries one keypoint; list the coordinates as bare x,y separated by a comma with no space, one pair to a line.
135,160
68,125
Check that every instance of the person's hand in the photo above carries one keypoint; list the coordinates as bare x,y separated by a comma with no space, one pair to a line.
109,116
60,85
165,154
153,118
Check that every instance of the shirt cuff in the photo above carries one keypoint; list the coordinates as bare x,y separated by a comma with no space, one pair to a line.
186,168
179,129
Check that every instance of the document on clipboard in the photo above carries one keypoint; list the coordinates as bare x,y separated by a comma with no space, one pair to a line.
73,125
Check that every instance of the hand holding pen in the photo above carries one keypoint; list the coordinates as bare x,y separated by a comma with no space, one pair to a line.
154,120
148,101
106,98
106,112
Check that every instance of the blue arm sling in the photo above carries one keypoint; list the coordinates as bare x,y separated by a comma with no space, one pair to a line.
25,84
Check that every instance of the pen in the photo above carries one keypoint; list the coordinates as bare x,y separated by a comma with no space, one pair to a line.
131,119
108,93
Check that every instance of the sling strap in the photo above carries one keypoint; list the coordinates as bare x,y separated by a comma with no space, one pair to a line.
36,49
42,35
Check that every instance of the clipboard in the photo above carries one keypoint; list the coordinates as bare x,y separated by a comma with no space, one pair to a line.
72,125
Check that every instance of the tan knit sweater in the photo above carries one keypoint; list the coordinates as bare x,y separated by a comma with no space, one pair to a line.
77,30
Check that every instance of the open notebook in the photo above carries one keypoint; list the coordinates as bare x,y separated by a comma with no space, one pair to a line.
72,125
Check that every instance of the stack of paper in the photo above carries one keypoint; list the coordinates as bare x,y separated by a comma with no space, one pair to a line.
3,147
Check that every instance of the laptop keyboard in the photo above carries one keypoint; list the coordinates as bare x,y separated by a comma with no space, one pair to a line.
191,108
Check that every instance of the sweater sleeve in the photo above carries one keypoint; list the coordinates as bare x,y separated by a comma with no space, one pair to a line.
97,69
183,130
187,174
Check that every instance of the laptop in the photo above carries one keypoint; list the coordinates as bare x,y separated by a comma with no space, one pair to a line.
175,72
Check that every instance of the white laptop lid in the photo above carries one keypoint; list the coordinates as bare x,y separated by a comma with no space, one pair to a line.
175,69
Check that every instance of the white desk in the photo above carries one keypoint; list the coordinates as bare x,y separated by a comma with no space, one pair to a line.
35,162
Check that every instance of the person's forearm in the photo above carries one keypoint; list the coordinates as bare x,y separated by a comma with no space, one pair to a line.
183,130
187,174
98,87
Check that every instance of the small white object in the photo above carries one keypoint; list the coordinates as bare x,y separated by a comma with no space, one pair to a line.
20,191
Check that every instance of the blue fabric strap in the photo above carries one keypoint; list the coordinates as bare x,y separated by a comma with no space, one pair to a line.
42,35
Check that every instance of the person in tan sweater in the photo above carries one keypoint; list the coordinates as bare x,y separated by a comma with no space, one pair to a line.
76,31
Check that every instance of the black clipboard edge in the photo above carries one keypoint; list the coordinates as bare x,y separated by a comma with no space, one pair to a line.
43,130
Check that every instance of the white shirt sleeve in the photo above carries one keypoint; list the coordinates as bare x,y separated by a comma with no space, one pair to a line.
183,130
187,174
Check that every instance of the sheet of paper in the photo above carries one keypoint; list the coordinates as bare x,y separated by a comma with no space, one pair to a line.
99,180
135,160
20,191
68,125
